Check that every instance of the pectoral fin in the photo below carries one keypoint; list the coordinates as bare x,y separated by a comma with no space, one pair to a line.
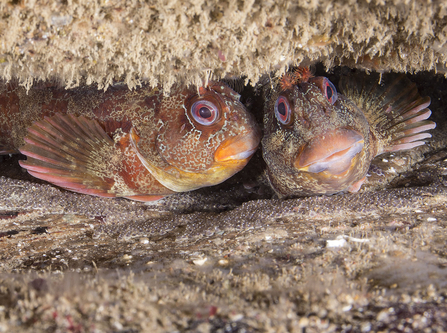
397,114
7,150
74,153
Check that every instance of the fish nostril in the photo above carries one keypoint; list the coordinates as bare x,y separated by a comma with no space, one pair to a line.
326,109
306,120
306,123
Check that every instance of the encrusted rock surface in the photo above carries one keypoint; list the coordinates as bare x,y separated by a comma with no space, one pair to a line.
78,42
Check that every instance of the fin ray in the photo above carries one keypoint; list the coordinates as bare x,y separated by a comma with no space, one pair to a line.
65,150
7,150
394,109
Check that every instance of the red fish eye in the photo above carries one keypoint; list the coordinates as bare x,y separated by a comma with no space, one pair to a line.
329,91
282,110
204,112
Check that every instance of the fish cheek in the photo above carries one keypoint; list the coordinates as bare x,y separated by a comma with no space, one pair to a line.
352,117
279,149
186,145
280,142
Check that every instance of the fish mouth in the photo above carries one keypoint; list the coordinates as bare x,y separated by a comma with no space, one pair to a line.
238,148
332,152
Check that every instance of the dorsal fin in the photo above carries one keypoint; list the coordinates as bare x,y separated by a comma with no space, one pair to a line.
394,109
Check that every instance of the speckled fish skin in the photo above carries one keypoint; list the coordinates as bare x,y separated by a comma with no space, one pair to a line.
329,140
137,144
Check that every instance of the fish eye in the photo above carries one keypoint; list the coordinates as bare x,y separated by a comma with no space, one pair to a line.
205,112
329,91
282,110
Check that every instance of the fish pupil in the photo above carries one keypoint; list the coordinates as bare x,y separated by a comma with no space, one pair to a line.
204,112
282,109
329,92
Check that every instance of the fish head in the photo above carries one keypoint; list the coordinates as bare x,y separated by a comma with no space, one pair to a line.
202,138
315,140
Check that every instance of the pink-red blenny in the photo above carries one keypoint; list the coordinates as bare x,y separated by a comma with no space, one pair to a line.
137,144
319,141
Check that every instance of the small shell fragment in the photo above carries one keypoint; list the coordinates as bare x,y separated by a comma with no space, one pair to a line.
200,262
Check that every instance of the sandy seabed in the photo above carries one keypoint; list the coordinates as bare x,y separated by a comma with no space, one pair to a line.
227,258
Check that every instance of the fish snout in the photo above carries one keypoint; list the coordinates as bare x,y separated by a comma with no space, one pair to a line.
238,148
332,152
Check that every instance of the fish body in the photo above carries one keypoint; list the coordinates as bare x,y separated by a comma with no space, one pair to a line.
138,144
318,140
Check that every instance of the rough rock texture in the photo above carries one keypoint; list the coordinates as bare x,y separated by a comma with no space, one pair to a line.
228,258
167,41
366,262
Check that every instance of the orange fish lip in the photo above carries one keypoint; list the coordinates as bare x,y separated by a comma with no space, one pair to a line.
332,152
238,148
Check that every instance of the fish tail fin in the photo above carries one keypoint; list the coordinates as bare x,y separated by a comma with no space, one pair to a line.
397,114
74,153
